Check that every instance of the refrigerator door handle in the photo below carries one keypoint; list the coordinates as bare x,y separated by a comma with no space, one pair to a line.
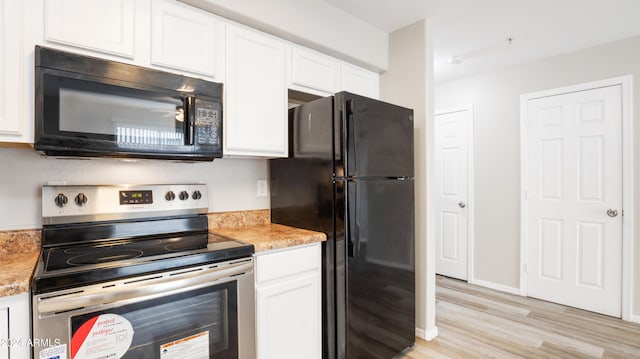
351,160
352,228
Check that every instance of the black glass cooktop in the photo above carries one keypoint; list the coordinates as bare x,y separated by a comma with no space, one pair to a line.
76,255
121,263
120,250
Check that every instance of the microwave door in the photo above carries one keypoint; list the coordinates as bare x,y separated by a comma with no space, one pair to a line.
128,117
103,119
121,110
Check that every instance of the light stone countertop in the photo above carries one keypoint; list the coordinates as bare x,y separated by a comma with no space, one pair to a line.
255,227
265,237
20,251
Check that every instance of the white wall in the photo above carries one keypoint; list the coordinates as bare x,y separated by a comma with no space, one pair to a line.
316,24
408,83
231,182
495,97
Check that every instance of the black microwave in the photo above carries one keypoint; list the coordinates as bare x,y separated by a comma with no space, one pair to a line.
87,106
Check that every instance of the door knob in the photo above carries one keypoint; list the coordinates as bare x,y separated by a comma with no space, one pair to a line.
462,204
612,212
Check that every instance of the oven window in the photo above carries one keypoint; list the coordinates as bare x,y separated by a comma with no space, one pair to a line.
124,115
182,322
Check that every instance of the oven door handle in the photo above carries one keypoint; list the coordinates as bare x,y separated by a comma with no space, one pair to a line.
140,289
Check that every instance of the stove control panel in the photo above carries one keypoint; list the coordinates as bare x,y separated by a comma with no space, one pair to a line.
70,204
136,197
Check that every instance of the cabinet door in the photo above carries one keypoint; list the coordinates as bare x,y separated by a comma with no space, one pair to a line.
360,81
185,38
289,319
12,126
14,321
4,332
255,121
104,26
313,71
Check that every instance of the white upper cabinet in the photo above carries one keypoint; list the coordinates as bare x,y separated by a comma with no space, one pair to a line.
98,25
320,74
255,119
186,38
359,81
12,126
313,72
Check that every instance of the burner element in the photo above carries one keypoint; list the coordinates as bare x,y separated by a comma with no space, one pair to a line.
104,257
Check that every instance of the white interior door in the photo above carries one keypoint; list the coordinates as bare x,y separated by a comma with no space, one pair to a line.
574,199
451,135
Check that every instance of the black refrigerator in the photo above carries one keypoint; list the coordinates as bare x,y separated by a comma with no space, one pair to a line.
349,174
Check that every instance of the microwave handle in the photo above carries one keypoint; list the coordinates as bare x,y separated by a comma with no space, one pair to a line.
190,115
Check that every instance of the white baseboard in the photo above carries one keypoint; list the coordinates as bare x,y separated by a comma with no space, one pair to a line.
428,335
431,334
635,318
499,287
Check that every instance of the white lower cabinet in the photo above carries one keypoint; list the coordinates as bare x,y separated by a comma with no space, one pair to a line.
4,332
14,327
288,303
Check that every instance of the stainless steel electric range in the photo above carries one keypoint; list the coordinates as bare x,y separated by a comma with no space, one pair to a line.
128,272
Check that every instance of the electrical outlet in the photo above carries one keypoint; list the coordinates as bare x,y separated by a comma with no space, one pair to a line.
261,190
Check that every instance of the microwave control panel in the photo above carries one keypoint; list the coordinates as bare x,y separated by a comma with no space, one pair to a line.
207,123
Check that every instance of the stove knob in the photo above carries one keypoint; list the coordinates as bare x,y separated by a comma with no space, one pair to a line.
61,200
196,195
170,196
81,199
184,195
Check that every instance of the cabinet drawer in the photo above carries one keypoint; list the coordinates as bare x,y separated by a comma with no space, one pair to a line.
286,263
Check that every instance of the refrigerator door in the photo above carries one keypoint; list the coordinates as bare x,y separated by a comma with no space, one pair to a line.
380,281
378,140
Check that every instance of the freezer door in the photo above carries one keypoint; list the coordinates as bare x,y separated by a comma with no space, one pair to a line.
379,138
380,252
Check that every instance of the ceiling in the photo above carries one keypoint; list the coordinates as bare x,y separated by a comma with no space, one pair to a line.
475,33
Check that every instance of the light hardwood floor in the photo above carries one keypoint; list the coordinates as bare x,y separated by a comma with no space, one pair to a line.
475,322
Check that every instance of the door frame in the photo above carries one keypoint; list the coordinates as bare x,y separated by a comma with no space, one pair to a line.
626,83
470,184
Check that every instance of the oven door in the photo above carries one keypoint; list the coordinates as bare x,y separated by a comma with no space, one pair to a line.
199,313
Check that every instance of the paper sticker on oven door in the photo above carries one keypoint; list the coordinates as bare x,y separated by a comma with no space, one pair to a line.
193,347
106,336
57,352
